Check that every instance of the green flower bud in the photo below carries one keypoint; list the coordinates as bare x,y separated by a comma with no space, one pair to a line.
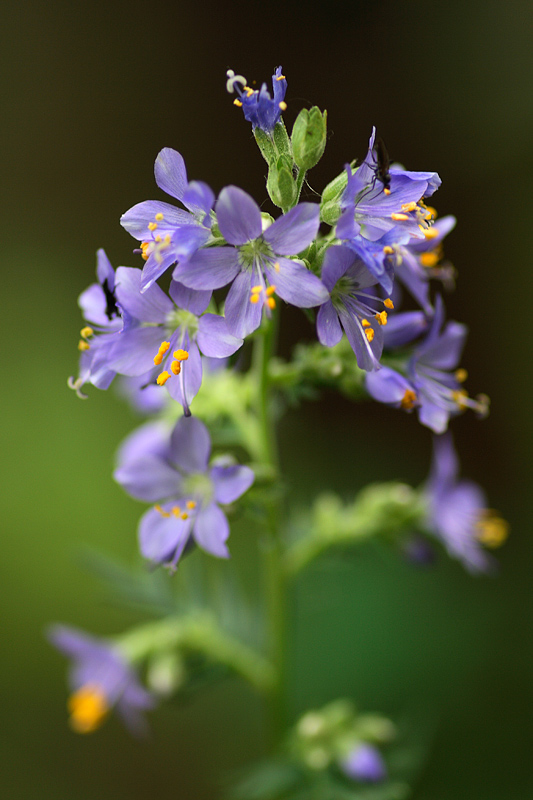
309,137
330,204
281,185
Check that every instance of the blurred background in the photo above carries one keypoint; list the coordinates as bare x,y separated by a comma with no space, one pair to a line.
90,93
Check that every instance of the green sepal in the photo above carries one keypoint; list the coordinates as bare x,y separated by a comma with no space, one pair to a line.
266,146
330,210
281,185
309,137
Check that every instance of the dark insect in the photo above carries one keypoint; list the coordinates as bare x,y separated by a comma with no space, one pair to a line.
111,309
382,166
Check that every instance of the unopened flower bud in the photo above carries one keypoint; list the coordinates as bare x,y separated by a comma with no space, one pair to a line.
309,137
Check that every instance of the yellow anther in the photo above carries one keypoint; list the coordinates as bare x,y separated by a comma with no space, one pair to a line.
271,303
191,504
86,332
430,233
163,347
175,367
369,333
388,303
162,378
429,259
431,213
280,78
161,511
388,250
184,515
399,217
256,289
144,250
492,530
365,323
176,511
461,375
276,266
88,708
386,191
408,206
237,102
152,226
249,92
283,105
408,400
83,345
270,291
381,317
157,239
159,216
254,298
181,355
460,397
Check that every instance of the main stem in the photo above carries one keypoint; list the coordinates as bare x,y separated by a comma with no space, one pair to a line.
273,549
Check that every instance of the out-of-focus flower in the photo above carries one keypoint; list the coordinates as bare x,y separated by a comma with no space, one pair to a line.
364,764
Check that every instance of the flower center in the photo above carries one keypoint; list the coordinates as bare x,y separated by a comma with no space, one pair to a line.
199,485
88,708
255,252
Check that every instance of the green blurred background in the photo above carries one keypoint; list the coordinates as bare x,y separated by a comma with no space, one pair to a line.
90,94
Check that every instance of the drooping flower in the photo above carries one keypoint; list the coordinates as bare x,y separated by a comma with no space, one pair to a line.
168,233
100,679
255,261
365,764
168,336
350,307
259,107
173,472
457,510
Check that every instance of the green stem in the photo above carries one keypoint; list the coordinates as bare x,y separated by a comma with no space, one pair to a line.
299,183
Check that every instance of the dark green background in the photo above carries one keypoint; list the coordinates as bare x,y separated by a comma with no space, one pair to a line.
90,94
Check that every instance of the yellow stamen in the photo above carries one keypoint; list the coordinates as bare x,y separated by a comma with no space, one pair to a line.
460,396
408,206
237,103
381,317
256,289
492,530
399,217
408,400
144,250
249,92
254,298
159,216
162,378
175,367
276,266
157,238
88,708
163,347
161,511
388,303
184,515
176,510
152,226
280,78
283,105
431,233
386,191
365,323
461,375
191,504
429,259
271,303
86,332
388,250
181,355
270,291
83,345
369,333
431,213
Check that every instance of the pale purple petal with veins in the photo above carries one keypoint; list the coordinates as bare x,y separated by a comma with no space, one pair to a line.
231,482
151,306
238,216
211,268
242,316
296,284
211,530
190,445
294,231
214,338
170,172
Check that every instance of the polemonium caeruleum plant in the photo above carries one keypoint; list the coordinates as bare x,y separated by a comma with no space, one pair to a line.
204,371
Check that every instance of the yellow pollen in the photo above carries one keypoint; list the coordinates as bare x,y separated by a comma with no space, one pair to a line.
381,317
460,396
429,259
386,191
388,250
408,400
254,298
256,289
249,92
161,511
152,226
175,367
431,233
191,504
388,303
283,105
399,217
408,206
184,515
144,250
163,347
276,266
369,333
461,375
491,530
271,303
431,213
237,103
159,216
365,323
162,378
280,78
270,291
181,355
88,708
176,510
86,332
157,239
83,345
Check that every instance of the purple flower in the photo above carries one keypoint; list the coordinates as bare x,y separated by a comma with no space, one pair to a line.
100,680
99,308
168,233
173,472
365,764
457,510
255,259
259,108
168,335
350,307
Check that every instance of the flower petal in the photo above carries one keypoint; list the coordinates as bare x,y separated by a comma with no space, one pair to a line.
211,268
151,306
214,338
193,300
138,217
242,316
293,232
170,172
231,482
238,216
185,386
148,478
211,531
190,445
328,327
161,538
367,353
296,284
133,352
